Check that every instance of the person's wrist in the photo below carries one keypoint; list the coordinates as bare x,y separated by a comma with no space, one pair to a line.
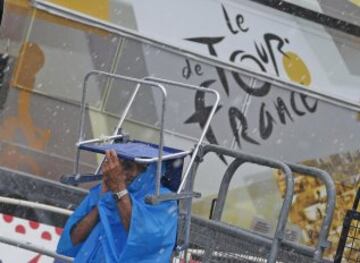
118,195
119,187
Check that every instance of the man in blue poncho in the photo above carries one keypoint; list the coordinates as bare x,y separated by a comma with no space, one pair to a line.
114,224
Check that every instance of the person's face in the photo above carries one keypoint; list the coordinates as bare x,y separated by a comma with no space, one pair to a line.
132,170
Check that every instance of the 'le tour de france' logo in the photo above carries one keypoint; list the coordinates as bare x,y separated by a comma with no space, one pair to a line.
268,51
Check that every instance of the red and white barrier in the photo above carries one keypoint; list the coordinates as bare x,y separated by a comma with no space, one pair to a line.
27,231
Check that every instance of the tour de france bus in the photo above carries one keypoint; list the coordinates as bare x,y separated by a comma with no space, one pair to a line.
288,88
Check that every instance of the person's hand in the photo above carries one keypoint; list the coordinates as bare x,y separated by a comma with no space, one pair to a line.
114,177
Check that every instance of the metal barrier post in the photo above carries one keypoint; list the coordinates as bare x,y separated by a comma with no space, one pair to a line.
323,243
187,209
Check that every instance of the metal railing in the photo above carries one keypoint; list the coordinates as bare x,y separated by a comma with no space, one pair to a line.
278,244
321,175
34,205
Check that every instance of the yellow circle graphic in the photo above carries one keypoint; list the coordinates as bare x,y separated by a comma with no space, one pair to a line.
296,69
355,2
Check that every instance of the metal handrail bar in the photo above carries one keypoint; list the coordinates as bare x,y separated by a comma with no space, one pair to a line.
97,140
172,48
34,248
138,82
207,124
258,238
31,177
322,243
30,204
250,235
166,157
241,158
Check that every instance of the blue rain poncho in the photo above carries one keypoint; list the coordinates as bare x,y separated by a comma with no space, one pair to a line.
152,231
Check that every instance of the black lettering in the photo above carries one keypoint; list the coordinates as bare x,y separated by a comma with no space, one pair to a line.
186,72
272,37
258,92
293,105
265,123
282,110
254,59
240,21
311,109
198,70
210,42
236,114
228,23
262,53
